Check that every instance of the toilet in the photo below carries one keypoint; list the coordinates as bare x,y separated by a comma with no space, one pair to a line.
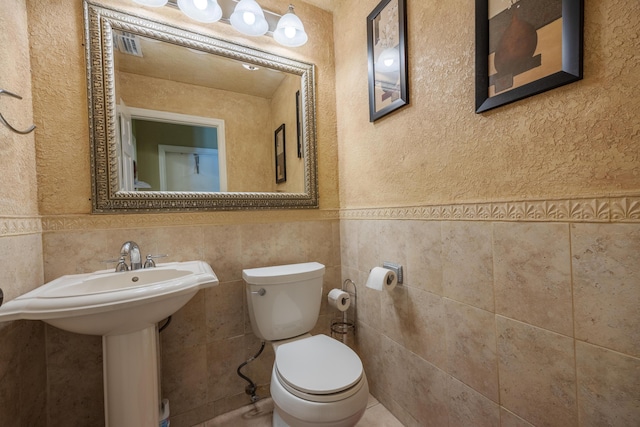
316,380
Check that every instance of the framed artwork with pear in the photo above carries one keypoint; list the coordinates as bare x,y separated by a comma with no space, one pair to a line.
525,47
387,54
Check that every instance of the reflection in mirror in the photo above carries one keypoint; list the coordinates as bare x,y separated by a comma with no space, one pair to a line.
190,120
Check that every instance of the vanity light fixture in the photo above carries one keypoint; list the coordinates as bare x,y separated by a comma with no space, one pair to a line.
151,3
290,31
201,10
247,17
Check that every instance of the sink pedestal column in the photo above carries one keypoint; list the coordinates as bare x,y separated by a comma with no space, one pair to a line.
130,365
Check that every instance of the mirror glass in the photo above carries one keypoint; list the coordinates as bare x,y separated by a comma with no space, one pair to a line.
182,121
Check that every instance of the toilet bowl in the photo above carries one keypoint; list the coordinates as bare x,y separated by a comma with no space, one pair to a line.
316,380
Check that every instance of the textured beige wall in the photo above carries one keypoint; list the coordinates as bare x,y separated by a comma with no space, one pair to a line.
22,352
578,140
59,81
18,192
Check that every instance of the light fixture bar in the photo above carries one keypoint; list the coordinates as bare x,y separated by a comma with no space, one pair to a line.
228,6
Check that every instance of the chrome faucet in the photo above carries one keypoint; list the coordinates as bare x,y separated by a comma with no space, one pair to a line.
132,250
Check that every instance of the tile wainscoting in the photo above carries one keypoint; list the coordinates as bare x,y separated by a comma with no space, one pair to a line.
503,319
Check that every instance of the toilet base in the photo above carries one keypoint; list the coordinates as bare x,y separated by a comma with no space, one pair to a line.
303,413
349,422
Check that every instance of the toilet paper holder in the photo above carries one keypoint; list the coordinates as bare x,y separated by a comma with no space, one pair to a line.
396,268
343,325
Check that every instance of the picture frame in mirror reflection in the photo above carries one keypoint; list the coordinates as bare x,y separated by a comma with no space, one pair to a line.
280,150
525,47
387,58
299,124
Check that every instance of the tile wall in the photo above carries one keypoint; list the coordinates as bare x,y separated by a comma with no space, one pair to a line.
500,323
23,381
208,338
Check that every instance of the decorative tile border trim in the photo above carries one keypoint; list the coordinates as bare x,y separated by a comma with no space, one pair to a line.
605,209
52,223
19,226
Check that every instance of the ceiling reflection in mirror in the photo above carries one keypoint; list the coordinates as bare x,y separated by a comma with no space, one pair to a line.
181,121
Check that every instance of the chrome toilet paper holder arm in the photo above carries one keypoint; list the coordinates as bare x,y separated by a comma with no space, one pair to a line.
396,268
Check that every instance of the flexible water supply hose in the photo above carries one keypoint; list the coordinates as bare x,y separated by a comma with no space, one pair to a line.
251,388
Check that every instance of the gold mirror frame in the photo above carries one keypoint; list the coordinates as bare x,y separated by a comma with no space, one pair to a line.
99,22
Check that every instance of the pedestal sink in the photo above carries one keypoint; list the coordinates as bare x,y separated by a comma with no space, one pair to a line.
124,308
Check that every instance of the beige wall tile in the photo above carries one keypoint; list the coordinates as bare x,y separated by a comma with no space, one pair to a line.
74,374
606,285
391,241
537,373
273,244
509,419
180,243
223,358
22,269
23,388
423,329
320,241
368,250
187,326
224,310
223,251
468,408
532,274
467,263
416,320
608,387
184,378
349,243
147,240
32,374
259,370
62,253
414,384
423,268
471,347
369,348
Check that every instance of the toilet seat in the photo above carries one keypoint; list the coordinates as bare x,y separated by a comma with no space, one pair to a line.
319,369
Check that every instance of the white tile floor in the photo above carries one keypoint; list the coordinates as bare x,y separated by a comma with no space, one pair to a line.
259,415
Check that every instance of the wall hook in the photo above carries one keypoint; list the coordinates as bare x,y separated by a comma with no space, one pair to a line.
3,120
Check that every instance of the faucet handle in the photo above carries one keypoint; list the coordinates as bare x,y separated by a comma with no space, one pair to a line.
122,266
149,262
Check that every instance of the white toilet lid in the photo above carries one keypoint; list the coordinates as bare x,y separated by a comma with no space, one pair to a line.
318,365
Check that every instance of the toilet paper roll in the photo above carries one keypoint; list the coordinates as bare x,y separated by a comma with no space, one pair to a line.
339,299
382,278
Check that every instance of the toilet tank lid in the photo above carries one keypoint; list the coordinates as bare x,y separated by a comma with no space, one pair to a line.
283,273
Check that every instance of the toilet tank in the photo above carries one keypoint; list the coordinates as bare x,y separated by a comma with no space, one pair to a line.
284,300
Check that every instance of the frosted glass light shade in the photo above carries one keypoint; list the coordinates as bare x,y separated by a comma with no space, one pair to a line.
248,18
201,10
388,61
290,31
152,3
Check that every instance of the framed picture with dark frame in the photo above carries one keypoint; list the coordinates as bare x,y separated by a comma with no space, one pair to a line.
525,47
387,54
281,160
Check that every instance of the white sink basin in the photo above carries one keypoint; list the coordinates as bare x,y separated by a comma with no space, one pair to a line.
123,307
112,303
